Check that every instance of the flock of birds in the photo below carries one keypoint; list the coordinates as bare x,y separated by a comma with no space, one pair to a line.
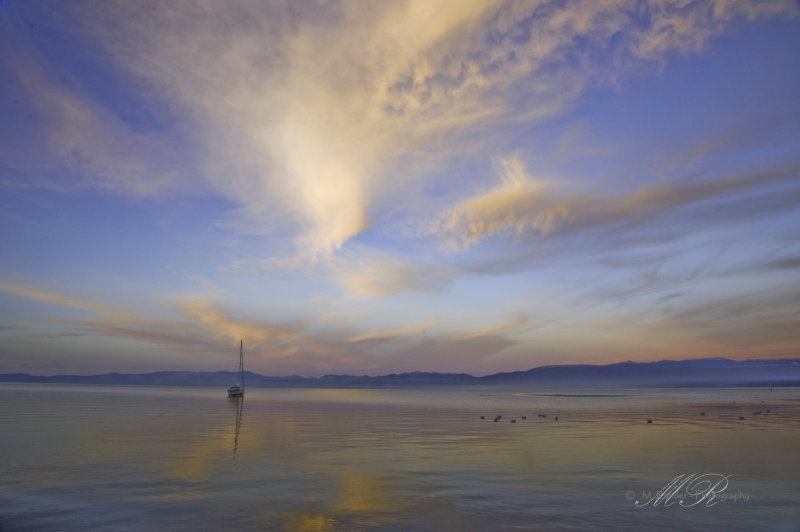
514,420
544,416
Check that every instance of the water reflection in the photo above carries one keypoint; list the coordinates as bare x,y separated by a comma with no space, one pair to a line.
319,460
237,403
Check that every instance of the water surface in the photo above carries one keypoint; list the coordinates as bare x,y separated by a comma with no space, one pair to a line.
147,457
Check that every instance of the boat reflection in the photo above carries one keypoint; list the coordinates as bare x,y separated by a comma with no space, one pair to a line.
237,403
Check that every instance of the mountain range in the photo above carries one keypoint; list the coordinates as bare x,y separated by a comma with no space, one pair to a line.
705,372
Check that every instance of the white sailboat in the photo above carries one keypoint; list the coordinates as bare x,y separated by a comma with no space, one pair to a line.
238,390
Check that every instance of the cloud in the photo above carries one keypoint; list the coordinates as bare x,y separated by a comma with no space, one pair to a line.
161,332
305,114
115,322
496,330
55,298
686,27
520,202
205,329
224,327
331,128
439,353
740,322
533,207
368,272
205,324
411,330
68,132
785,263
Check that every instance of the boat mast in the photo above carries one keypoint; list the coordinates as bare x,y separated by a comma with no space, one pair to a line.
241,362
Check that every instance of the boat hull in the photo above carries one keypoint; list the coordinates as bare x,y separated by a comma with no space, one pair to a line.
235,391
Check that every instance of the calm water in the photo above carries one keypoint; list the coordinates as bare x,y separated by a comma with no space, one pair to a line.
133,458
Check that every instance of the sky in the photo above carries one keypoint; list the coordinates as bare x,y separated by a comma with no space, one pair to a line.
369,187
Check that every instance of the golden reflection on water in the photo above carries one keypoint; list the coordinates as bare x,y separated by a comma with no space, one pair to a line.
356,494
193,458
200,458
309,523
363,493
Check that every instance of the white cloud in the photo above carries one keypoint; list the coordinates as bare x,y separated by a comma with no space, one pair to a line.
519,202
531,207
686,27
303,113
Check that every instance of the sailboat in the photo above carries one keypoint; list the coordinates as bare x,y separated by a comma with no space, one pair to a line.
238,390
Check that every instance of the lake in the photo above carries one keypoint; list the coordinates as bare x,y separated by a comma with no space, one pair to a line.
78,457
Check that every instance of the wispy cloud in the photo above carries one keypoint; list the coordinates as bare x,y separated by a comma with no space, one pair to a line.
111,321
369,272
412,330
496,330
223,326
527,206
744,323
56,298
67,131
785,263
204,323
686,27
306,111
519,202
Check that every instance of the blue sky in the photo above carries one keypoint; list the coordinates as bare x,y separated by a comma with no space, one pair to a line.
376,187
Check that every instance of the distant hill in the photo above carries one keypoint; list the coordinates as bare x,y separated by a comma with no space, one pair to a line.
702,372
706,372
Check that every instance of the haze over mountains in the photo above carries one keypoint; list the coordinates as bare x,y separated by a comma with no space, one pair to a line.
707,372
